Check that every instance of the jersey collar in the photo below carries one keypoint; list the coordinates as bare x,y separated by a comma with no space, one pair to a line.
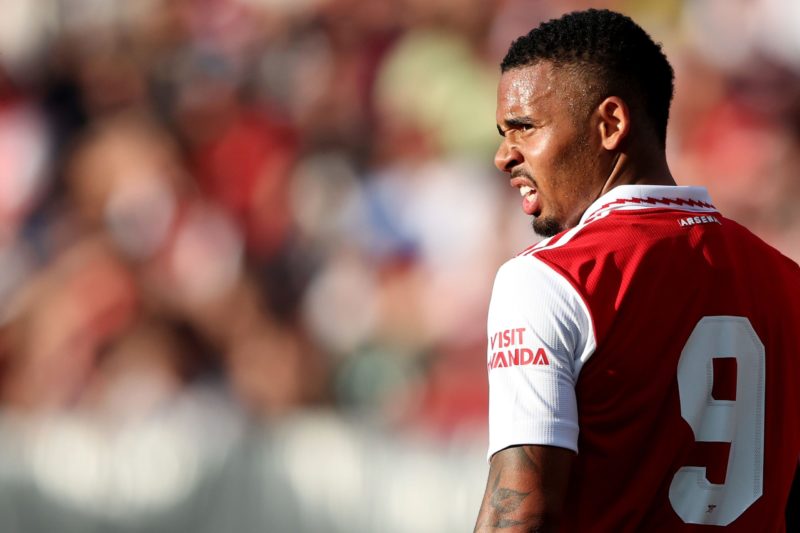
635,197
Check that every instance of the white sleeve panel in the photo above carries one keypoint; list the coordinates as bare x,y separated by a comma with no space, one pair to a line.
539,336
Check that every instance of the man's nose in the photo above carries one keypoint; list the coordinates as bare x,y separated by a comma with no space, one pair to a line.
507,156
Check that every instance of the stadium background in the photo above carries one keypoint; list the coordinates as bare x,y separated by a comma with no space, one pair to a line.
247,246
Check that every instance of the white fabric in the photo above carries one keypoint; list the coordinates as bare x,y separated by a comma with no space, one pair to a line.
622,198
537,309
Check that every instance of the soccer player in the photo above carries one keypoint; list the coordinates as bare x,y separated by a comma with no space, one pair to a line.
644,358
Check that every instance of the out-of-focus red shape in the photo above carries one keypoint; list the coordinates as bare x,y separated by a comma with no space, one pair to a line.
246,169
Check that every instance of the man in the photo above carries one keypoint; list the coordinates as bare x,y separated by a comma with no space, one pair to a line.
644,359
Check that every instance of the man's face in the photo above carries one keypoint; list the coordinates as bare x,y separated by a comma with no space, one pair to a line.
549,147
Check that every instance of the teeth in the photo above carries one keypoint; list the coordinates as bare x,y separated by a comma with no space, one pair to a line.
525,190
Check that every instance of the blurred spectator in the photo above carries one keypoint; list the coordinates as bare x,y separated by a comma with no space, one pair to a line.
58,323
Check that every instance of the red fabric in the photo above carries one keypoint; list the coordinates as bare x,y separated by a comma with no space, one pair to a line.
647,281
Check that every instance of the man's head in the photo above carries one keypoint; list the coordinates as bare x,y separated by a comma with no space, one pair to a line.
570,93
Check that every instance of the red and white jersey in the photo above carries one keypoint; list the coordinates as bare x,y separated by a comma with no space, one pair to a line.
661,342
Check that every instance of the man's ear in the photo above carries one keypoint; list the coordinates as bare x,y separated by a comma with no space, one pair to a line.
615,122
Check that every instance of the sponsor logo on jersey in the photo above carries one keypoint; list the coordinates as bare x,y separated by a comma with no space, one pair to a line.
518,357
507,350
704,219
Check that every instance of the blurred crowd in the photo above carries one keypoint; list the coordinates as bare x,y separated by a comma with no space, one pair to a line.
292,202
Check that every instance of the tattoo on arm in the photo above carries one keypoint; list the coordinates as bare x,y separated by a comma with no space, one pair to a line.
516,498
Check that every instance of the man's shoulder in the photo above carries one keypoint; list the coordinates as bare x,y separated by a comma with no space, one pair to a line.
526,277
761,247
528,269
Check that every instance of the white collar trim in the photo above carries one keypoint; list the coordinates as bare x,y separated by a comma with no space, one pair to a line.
634,197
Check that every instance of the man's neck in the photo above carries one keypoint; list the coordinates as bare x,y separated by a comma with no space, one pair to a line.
630,171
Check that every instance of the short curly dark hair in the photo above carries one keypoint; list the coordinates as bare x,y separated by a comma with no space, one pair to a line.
614,55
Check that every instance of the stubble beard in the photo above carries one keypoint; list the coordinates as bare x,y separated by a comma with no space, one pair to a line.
546,226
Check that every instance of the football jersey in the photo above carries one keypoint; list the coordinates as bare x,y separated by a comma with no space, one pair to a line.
661,342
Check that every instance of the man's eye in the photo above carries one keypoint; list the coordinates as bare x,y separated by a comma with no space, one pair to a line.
515,128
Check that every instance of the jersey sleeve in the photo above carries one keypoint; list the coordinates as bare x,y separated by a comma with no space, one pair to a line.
539,335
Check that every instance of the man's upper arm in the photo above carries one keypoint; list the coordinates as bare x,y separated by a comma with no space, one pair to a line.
526,489
539,335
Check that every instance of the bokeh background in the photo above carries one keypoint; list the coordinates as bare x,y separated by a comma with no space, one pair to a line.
247,246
